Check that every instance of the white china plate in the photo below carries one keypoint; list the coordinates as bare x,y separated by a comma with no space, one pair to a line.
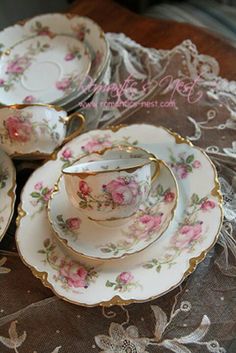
115,239
47,29
152,272
7,192
43,69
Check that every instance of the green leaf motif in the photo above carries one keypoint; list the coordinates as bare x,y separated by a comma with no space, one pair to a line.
109,284
190,159
195,198
35,194
160,190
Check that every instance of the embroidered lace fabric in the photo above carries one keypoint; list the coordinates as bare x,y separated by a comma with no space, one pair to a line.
200,315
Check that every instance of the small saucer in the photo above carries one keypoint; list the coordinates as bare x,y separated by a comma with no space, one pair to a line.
114,239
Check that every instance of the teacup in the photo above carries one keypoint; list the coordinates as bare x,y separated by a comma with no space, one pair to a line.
35,130
110,189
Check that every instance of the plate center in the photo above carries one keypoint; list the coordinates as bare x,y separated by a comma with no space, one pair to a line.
41,76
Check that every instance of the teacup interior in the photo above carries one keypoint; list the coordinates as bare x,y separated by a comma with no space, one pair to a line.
107,165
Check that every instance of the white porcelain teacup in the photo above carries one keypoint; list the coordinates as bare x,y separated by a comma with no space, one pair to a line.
110,189
35,130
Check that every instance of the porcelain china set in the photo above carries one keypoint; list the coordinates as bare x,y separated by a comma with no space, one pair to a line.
113,216
72,227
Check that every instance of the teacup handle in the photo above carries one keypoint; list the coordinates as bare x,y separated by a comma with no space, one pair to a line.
77,132
157,166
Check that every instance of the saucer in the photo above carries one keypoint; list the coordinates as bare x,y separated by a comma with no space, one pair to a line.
114,239
7,192
166,263
63,32
44,68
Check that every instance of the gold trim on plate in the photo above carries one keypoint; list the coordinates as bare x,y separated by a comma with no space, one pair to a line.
193,262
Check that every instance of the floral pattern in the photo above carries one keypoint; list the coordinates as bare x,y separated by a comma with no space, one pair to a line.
80,31
68,83
69,274
188,234
66,157
19,128
70,226
40,195
184,164
121,340
73,52
17,66
124,282
4,175
118,192
41,30
146,224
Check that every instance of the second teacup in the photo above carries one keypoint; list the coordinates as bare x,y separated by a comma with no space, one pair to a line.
111,189
35,130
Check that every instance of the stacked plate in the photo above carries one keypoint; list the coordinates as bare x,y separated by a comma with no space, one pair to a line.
91,262
52,58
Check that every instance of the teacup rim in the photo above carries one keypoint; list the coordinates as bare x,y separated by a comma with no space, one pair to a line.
130,169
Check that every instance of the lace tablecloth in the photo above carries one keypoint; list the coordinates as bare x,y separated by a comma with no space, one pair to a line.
200,315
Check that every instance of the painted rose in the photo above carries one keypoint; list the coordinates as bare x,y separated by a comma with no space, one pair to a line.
125,277
17,66
67,153
2,82
73,223
69,56
74,274
96,144
182,171
38,186
47,195
45,31
187,234
207,205
123,191
196,164
84,188
146,225
18,129
29,99
169,196
63,84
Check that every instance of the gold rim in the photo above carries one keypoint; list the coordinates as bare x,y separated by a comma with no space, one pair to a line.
193,262
12,195
64,242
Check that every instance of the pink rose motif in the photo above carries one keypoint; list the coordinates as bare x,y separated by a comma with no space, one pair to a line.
182,171
73,223
123,192
67,154
84,188
196,164
2,82
96,144
74,274
45,31
38,186
187,234
169,196
18,130
69,56
17,66
125,277
29,99
207,205
63,84
47,196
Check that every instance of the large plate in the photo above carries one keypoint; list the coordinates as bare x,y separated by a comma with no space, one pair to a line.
154,271
7,192
50,26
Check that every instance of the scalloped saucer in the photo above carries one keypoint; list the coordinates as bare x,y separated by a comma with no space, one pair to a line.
114,239
7,191
155,270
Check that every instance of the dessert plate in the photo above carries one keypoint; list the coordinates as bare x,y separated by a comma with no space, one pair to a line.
167,262
117,238
41,67
7,192
45,30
